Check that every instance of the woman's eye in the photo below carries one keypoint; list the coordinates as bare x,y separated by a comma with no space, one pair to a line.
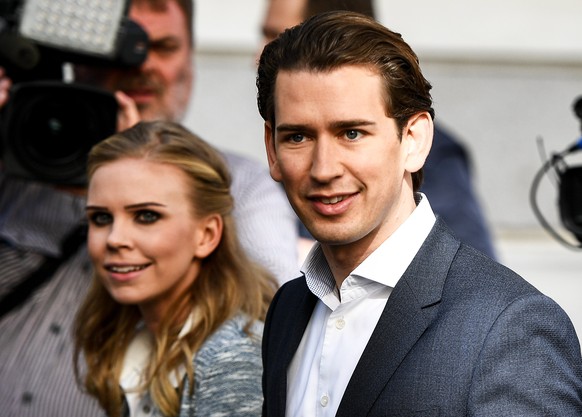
100,218
352,134
147,216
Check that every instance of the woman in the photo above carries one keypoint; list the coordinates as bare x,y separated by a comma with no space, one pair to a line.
173,320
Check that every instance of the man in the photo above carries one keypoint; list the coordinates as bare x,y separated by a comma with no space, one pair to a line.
39,235
393,316
448,174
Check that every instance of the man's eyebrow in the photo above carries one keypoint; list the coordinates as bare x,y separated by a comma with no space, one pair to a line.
344,124
164,40
287,127
340,124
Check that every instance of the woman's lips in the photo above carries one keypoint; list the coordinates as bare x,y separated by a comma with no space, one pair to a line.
125,272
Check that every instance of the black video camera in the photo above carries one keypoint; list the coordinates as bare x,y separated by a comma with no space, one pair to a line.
48,125
569,181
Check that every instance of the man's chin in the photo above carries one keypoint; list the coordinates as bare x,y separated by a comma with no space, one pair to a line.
148,113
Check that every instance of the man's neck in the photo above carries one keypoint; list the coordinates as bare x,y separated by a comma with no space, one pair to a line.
343,259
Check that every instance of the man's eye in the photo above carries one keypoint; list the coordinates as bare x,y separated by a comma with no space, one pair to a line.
352,134
100,218
297,138
164,48
147,216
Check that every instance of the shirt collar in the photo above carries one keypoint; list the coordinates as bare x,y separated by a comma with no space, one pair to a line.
391,259
386,264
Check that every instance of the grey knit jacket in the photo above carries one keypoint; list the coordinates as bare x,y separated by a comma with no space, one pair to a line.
227,374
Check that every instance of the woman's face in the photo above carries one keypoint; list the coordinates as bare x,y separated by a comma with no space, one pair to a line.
145,242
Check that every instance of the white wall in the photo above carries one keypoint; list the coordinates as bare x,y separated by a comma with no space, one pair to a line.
500,28
510,29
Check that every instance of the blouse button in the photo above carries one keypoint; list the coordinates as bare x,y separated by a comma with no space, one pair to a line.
324,400
340,323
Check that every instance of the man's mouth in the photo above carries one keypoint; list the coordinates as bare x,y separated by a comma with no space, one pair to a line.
332,200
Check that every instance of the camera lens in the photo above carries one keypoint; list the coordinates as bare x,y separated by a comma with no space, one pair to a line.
52,127
51,134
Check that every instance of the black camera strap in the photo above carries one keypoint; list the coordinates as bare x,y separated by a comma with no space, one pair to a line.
21,292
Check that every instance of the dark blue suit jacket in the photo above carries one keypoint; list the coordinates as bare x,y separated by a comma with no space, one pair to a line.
460,335
448,184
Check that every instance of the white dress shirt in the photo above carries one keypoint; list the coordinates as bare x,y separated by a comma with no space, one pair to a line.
342,324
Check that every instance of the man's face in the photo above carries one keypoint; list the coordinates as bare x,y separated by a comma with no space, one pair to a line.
339,157
281,15
161,86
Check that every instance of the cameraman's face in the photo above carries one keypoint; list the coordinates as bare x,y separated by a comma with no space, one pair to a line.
161,86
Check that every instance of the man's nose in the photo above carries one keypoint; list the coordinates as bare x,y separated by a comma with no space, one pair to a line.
326,163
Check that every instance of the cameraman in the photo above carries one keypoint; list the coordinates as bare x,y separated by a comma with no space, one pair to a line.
39,226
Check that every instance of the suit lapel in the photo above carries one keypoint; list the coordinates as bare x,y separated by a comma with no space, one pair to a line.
408,312
301,317
295,308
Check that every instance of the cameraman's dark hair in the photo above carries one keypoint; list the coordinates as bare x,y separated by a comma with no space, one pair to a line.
187,7
331,40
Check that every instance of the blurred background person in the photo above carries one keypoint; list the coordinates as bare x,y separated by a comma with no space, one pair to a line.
173,320
448,177
44,266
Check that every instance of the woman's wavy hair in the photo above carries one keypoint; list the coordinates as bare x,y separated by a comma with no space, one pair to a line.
228,282
328,41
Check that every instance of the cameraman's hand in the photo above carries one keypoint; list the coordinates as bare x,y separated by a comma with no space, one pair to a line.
5,84
128,115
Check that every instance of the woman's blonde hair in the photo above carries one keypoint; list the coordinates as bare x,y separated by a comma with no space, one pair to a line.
228,282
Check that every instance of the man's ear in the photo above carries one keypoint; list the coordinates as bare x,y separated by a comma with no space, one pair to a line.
208,235
272,153
417,135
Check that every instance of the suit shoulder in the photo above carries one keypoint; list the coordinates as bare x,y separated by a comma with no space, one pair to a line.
290,297
475,275
291,290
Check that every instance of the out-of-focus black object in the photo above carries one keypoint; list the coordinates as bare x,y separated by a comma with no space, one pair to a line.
570,200
569,181
48,125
